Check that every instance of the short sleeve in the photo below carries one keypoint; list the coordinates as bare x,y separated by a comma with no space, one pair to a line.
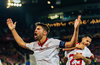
56,42
30,45
87,53
59,43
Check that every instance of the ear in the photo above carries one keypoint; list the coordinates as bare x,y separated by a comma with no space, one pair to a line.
45,32
82,38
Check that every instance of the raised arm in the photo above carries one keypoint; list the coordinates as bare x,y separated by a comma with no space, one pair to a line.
18,39
75,34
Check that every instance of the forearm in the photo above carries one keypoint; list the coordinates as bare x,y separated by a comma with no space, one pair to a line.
76,30
18,38
75,37
86,60
72,43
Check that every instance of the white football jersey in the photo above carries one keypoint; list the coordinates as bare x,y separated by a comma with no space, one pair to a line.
85,52
48,53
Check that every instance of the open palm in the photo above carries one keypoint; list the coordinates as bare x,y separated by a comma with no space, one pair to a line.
77,22
10,24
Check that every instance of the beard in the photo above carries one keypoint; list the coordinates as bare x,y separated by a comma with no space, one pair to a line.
37,38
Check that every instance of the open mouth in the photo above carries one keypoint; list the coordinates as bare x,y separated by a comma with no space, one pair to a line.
35,34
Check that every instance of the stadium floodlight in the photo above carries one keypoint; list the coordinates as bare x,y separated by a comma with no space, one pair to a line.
16,3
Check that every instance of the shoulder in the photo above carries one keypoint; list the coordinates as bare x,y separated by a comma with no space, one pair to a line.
32,43
87,49
52,39
88,53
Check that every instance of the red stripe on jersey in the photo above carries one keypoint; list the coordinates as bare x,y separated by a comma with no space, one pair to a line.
72,60
41,44
76,43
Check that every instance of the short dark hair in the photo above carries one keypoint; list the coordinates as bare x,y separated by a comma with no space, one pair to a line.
87,35
44,26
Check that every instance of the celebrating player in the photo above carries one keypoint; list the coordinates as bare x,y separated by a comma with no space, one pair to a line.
79,55
45,49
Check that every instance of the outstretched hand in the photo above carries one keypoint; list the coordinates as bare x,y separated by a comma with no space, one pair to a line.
10,24
77,22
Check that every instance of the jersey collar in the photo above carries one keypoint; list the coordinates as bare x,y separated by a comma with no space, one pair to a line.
41,44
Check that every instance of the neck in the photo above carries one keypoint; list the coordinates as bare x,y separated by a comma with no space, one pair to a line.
43,39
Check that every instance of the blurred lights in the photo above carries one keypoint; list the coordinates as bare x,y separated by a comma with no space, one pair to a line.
48,2
66,18
8,6
16,3
55,15
9,3
8,0
58,2
52,7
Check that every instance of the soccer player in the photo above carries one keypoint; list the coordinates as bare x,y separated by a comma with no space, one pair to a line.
79,55
45,49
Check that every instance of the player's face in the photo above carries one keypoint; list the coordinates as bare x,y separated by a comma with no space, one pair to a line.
86,41
39,32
